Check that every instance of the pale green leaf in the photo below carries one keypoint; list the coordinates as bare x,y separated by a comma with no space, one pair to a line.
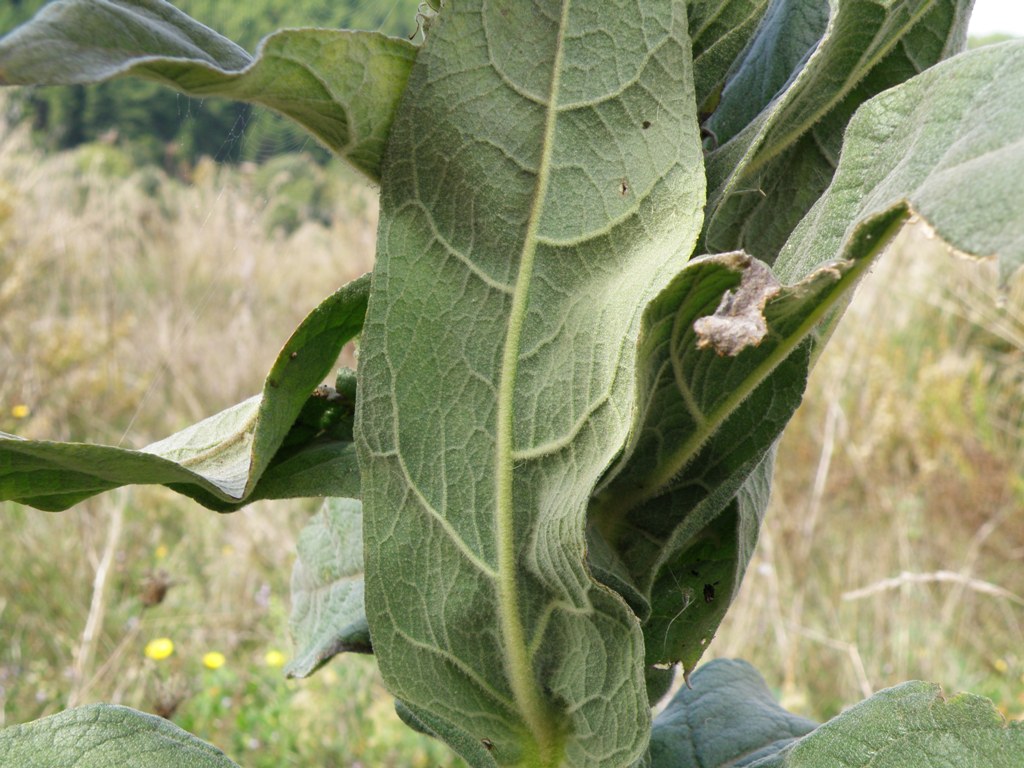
341,86
770,169
728,719
946,145
221,461
328,616
543,182
910,726
105,736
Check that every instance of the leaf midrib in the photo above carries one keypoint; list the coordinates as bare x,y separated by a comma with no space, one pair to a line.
518,661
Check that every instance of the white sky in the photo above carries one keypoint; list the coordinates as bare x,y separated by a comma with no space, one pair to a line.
991,16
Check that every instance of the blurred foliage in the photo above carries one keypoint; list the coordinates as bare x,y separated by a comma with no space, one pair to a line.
162,127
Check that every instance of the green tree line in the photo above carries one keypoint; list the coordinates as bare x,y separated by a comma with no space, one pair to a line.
173,130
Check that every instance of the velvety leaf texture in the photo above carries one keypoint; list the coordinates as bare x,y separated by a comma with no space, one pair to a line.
105,736
773,164
328,616
910,726
946,146
542,183
341,86
257,449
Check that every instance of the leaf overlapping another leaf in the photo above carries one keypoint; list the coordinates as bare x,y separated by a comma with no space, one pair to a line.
230,459
534,198
774,162
341,86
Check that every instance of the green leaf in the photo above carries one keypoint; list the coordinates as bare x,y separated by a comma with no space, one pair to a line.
552,196
719,32
910,726
227,460
106,736
947,146
723,361
770,169
328,616
341,86
728,719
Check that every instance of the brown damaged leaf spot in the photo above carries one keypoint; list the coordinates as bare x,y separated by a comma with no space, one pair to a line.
739,321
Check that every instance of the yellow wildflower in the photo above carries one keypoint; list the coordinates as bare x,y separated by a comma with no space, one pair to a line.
1000,666
20,411
160,648
213,660
161,552
274,659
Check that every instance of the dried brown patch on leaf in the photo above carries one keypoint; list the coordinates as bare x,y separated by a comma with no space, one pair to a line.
739,321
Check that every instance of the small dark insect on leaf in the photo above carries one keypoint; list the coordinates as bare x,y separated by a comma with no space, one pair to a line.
709,593
623,187
645,124
488,744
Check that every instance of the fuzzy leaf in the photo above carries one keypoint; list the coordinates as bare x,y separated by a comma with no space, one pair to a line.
554,194
227,460
341,86
910,726
719,31
772,165
328,616
106,736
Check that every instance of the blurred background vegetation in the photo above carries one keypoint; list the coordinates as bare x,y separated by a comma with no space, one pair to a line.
144,285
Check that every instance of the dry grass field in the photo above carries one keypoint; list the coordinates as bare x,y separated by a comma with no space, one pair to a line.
132,304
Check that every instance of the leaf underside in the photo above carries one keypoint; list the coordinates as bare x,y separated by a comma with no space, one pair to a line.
514,258
339,85
256,449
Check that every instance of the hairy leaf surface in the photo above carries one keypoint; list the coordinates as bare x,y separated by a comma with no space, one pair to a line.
719,31
328,616
106,736
257,449
946,145
543,181
341,86
773,164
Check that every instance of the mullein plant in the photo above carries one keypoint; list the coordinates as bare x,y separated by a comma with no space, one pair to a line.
614,237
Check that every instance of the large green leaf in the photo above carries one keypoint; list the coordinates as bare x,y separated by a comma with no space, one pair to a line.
534,198
946,146
728,718
105,736
772,167
910,726
256,449
341,86
328,616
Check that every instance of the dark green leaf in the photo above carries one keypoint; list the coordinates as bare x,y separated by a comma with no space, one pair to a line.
728,719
